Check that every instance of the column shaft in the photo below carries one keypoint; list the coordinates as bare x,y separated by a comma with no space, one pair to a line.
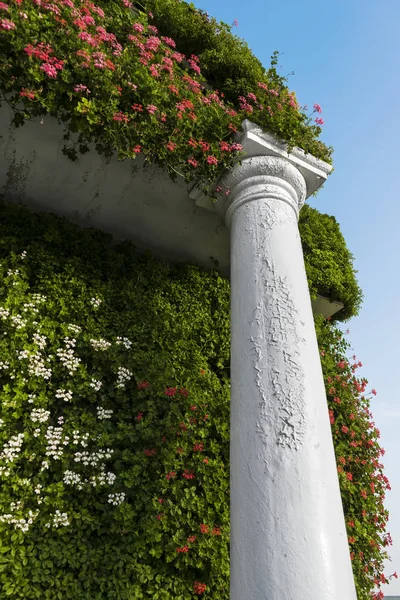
288,536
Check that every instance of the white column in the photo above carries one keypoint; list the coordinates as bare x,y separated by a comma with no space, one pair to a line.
288,536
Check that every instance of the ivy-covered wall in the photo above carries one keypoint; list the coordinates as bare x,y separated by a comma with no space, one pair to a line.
114,414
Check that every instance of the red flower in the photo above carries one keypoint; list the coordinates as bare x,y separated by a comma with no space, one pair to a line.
345,429
351,523
139,417
216,531
170,475
170,391
191,539
198,447
160,500
184,392
199,588
331,417
203,528
349,476
183,549
205,460
193,407
188,474
142,385
351,540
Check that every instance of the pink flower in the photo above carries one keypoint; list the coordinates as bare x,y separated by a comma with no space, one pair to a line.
137,149
374,392
138,27
235,23
152,29
3,6
151,109
139,417
171,146
127,3
151,16
193,162
317,108
82,88
212,160
49,69
169,41
319,121
6,24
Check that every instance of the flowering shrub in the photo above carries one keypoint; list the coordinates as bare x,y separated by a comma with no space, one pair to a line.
362,481
114,423
107,74
328,262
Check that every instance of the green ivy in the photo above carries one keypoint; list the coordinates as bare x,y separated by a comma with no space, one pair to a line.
328,261
114,422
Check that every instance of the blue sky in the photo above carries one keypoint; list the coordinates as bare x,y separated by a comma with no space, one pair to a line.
346,57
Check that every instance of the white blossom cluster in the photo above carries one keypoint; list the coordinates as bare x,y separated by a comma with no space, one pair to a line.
17,321
123,376
80,438
4,312
4,364
124,341
67,355
45,465
40,340
21,523
30,306
12,448
66,395
75,329
1,422
103,478
55,441
37,366
40,415
94,458
116,499
37,432
95,302
31,398
100,344
59,518
11,273
96,384
39,298
103,413
4,471
71,478
23,255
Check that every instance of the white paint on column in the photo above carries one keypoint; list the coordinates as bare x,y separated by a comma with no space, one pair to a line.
288,536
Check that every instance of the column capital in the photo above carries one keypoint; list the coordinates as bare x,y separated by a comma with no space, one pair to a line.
262,178
258,143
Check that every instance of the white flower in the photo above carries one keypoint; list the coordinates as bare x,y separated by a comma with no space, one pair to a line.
4,312
95,302
100,344
75,329
124,341
123,376
54,441
39,298
4,365
12,448
23,255
67,356
96,384
116,499
18,322
103,413
40,415
40,340
71,478
66,395
60,518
